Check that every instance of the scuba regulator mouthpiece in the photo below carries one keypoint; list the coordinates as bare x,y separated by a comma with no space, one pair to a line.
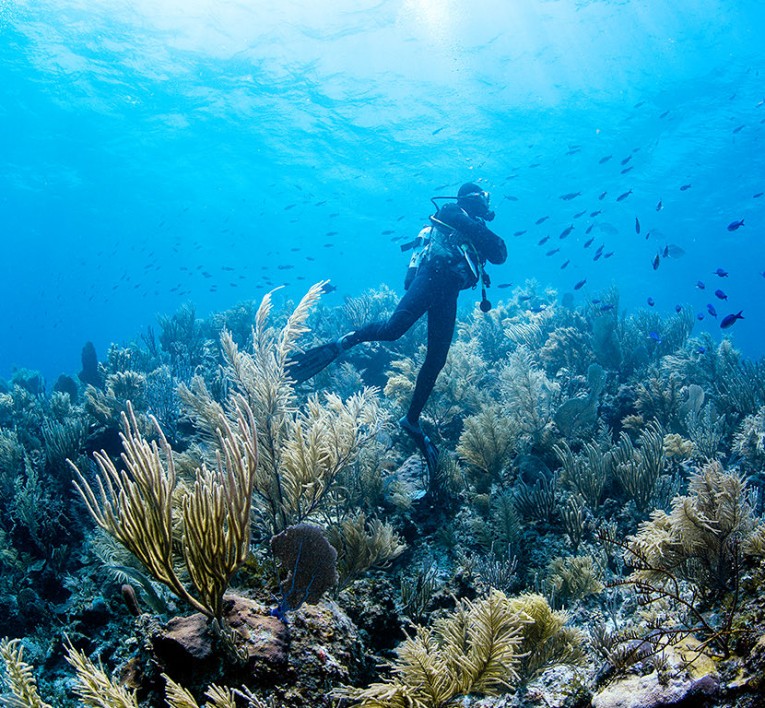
489,216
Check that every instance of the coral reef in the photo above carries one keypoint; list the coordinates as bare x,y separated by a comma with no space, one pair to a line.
583,464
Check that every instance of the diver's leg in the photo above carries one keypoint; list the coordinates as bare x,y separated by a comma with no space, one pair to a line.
441,320
410,308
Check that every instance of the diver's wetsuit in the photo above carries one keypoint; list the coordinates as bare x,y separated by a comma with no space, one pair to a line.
434,290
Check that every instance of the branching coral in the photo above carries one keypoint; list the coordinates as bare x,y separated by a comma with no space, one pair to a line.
696,553
527,394
638,468
302,451
586,473
474,650
136,505
363,544
487,442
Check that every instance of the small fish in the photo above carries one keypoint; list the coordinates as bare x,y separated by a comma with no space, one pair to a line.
438,130
656,261
588,242
541,220
589,228
711,309
289,206
566,231
602,196
685,187
580,284
700,316
331,233
729,320
328,288
593,214
673,251
678,309
651,302
721,272
568,197
565,263
735,225
700,284
604,160
597,255
387,232
285,266
543,240
580,214
626,160
637,225
511,198
608,306
623,196
720,295
524,298
628,169
519,233
504,285
552,251
758,195
655,336
608,254
739,128
659,205
700,349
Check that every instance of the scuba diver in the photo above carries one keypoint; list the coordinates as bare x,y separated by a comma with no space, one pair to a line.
449,256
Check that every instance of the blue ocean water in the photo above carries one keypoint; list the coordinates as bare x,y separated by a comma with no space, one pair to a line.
156,152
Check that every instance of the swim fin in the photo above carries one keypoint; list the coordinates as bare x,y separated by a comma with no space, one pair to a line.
305,365
424,445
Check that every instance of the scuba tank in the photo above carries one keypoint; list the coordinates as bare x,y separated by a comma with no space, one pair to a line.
419,247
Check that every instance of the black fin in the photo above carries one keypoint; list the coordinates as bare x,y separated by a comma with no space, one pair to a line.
305,365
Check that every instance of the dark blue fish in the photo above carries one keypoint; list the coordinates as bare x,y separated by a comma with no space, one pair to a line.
602,196
628,169
721,295
735,225
637,225
519,233
580,284
552,251
608,254
565,263
678,309
651,302
566,231
595,213
589,228
568,197
623,196
605,159
700,285
711,309
541,220
700,316
543,240
504,285
758,195
626,160
729,320
608,306
700,350
327,288
721,272
655,336
655,262
685,187
588,242
659,206
580,214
